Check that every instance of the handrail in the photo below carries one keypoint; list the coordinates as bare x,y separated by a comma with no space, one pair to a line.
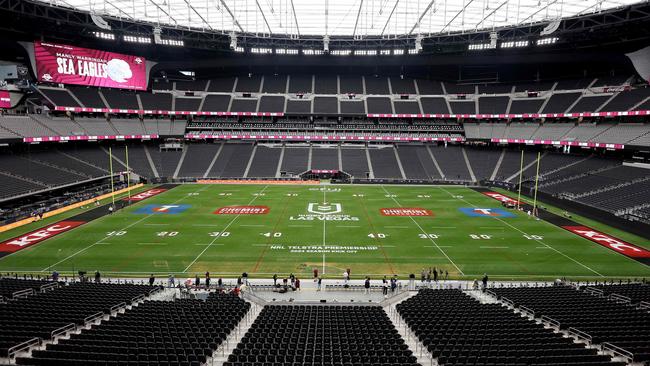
137,298
23,293
593,290
492,293
526,310
49,286
118,307
507,301
618,350
93,317
249,295
550,321
63,329
580,334
11,352
644,305
620,298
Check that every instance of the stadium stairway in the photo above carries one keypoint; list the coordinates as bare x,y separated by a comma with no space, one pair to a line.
225,350
423,356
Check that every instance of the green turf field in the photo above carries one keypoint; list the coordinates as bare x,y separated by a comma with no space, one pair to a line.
294,237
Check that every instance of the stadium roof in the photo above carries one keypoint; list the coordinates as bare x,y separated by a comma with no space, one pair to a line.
342,17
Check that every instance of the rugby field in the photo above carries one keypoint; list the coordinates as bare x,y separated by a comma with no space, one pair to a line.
376,230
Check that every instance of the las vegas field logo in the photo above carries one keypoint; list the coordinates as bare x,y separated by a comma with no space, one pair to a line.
324,212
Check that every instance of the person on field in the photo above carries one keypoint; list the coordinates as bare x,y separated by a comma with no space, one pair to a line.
485,281
170,281
435,275
110,209
275,280
297,284
393,284
384,286
55,276
219,283
366,286
98,277
197,281
346,278
207,280
319,283
151,280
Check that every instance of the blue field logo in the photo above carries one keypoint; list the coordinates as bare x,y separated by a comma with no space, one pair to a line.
162,209
486,212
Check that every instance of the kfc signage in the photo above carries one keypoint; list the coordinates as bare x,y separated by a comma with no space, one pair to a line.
58,63
146,194
37,236
610,242
502,198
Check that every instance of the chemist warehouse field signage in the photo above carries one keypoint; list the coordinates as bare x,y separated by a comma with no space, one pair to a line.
65,64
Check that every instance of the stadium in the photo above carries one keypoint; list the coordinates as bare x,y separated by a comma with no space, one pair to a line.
340,183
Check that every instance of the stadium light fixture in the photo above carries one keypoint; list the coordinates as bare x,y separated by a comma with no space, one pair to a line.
398,52
286,51
239,49
480,46
514,44
341,52
261,50
172,42
365,52
546,41
312,52
413,51
384,52
137,39
104,35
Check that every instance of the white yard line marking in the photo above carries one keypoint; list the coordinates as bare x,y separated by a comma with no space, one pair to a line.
425,233
106,237
524,233
224,229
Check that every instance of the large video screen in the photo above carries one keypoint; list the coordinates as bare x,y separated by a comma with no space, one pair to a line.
59,63
5,100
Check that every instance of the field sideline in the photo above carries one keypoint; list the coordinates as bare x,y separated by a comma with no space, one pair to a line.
292,228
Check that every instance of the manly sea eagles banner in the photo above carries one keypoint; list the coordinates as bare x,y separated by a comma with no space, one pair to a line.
641,61
58,63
